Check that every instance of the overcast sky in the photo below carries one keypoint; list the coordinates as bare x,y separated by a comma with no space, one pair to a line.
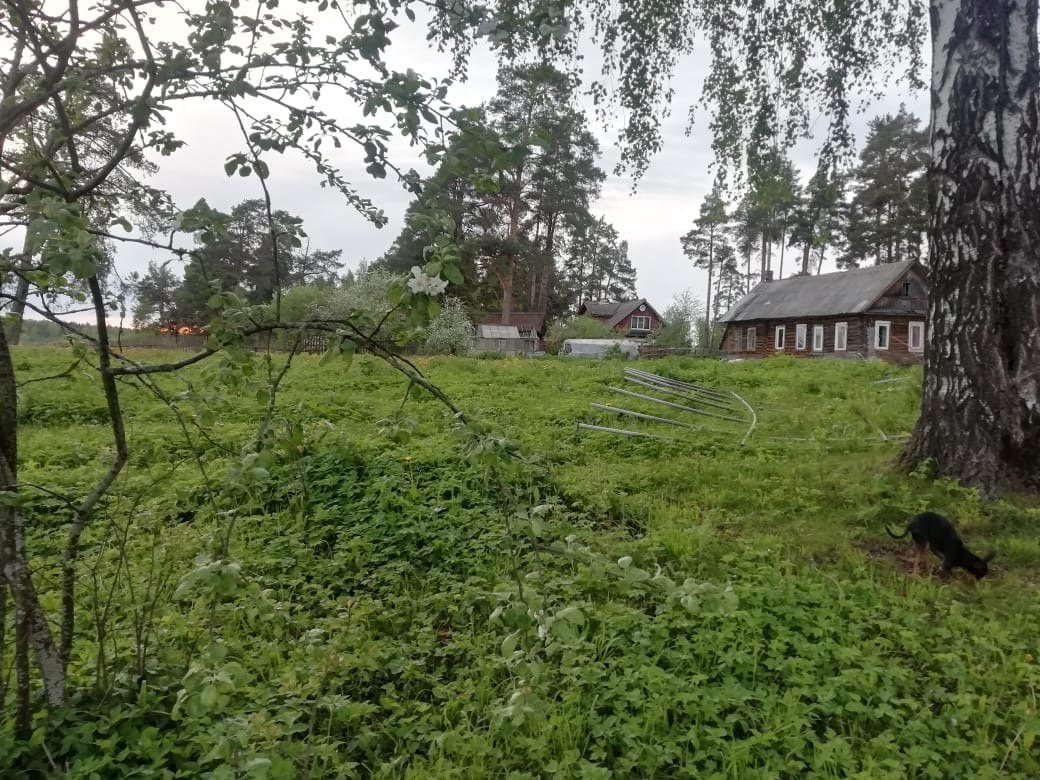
651,219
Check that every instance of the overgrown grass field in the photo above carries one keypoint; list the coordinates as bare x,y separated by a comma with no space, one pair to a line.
404,599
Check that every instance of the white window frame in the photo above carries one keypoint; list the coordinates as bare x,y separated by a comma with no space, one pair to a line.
887,325
817,338
841,336
919,327
640,318
780,337
751,339
800,332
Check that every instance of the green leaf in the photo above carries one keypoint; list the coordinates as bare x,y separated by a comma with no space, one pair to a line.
509,644
209,696
453,274
572,615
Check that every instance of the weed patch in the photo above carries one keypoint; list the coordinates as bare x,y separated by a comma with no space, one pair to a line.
397,603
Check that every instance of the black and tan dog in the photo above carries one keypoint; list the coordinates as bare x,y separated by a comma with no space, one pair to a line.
931,530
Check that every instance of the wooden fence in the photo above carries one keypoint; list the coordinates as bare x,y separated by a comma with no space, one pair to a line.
660,352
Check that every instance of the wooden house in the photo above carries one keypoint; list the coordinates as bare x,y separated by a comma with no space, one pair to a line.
876,312
632,318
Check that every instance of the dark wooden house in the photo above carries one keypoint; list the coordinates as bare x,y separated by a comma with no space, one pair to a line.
632,318
876,312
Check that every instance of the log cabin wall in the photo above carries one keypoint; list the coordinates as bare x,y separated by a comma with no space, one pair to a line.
860,342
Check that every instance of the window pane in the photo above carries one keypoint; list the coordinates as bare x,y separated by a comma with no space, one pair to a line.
881,335
841,336
916,336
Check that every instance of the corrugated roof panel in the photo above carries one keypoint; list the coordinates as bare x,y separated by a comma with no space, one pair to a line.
498,332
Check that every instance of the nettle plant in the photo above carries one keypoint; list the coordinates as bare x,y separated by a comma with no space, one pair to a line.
84,96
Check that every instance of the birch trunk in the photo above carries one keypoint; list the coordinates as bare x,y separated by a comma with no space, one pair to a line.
980,415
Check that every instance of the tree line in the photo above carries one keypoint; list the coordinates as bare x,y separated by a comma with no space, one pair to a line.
525,225
873,212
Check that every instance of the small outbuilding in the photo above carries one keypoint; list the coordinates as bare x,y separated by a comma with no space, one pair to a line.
877,312
599,348
530,324
505,340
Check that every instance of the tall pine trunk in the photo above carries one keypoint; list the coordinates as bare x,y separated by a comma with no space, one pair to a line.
980,411
806,248
711,271
546,282
765,256
507,274
747,282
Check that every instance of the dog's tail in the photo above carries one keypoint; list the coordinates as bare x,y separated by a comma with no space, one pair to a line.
897,536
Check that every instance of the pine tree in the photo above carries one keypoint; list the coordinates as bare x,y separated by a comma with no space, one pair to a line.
597,267
700,244
815,217
155,294
512,221
887,210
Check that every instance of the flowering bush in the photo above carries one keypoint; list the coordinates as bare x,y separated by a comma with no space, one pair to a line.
451,332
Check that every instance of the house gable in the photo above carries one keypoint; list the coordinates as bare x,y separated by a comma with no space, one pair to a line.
619,315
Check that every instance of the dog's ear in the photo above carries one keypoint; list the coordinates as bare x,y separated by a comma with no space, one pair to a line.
988,558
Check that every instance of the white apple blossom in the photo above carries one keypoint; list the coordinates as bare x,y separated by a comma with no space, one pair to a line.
423,283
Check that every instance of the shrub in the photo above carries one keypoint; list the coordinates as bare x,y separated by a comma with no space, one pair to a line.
451,332
709,337
673,334
576,328
366,297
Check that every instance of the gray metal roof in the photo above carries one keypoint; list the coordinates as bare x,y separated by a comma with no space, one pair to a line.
843,292
616,311
498,332
605,308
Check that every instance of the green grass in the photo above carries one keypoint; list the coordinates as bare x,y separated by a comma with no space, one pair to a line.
605,607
